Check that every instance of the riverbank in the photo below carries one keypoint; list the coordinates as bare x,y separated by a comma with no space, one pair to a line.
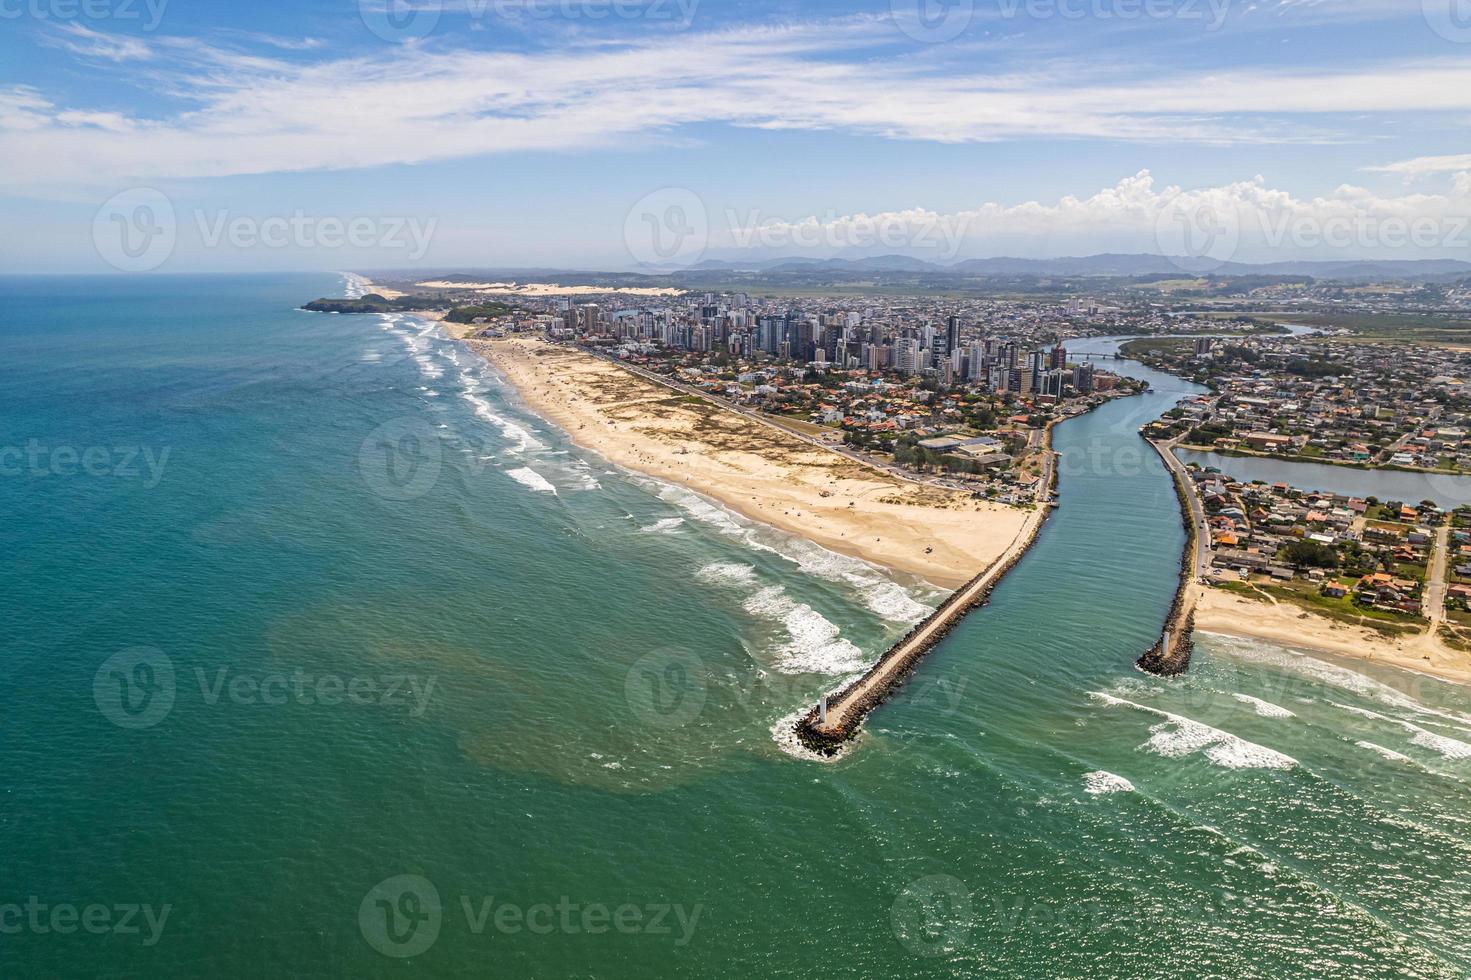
1321,461
760,471
1260,616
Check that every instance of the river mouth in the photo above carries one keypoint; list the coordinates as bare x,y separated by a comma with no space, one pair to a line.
599,729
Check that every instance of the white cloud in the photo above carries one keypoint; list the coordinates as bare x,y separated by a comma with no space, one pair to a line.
1421,166
87,43
1244,221
240,113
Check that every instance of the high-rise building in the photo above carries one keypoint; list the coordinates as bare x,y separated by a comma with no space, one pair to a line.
1083,378
906,355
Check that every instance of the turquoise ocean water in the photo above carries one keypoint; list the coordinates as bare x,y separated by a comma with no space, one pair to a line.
325,657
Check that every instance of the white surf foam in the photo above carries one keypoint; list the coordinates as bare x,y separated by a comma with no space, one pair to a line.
1389,754
355,286
1101,782
784,734
528,477
1262,652
1264,708
1446,746
520,439
727,573
668,525
813,645
1177,736
875,589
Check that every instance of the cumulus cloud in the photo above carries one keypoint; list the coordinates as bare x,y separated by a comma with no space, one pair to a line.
1245,220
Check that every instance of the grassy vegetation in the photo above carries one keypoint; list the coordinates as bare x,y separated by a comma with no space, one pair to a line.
1458,616
371,303
1405,328
802,425
1305,596
1157,345
1413,570
1455,639
468,314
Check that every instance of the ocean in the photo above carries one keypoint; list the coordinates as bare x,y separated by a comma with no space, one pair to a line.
327,657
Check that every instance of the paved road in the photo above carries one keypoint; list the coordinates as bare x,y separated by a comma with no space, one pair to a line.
1435,579
1197,509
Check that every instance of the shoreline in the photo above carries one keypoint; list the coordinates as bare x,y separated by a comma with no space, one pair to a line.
762,473
824,731
1228,614
1213,610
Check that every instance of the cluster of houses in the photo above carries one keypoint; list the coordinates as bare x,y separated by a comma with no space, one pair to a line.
1334,401
1365,549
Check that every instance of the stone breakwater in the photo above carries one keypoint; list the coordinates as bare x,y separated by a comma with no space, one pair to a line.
852,704
1170,655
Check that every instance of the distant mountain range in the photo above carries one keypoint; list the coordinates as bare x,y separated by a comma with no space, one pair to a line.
1111,265
900,272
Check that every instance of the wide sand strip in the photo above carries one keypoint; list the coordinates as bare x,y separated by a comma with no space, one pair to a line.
942,536
1218,611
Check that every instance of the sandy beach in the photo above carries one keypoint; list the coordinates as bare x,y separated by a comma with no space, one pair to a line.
386,293
550,288
942,536
1218,611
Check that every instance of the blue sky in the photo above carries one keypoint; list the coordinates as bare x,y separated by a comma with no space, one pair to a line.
465,133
